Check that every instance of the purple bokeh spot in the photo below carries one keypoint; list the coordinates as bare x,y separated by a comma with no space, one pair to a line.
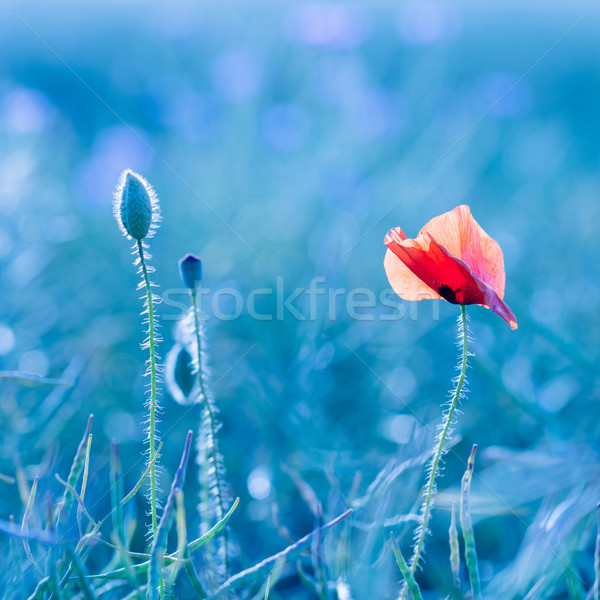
328,25
115,149
377,113
427,22
338,78
174,105
25,110
238,76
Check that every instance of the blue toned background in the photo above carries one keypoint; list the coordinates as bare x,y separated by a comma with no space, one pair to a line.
284,141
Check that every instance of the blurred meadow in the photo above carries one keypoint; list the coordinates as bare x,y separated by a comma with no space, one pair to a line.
284,140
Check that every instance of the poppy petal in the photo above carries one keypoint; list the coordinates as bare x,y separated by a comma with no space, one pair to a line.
460,234
403,281
450,277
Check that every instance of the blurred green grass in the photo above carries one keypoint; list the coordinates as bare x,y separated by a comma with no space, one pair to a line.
305,127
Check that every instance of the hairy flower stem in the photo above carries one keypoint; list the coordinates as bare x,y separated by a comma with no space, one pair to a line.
213,429
152,426
439,451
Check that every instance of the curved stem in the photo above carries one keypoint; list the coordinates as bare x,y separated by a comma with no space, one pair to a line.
439,450
213,429
152,426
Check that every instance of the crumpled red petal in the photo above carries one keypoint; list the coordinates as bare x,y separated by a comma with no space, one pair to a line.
462,236
403,281
445,274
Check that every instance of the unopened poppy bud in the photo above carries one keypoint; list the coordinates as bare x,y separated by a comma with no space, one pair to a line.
190,267
180,375
136,205
184,375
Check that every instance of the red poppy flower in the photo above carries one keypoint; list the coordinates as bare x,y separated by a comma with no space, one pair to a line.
452,258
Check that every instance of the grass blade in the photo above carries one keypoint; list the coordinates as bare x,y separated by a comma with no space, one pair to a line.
77,497
115,491
86,469
193,576
40,589
7,479
405,570
29,380
25,525
76,468
454,548
159,545
24,489
292,550
126,560
536,589
181,537
139,484
41,536
272,579
194,545
467,527
80,571
306,579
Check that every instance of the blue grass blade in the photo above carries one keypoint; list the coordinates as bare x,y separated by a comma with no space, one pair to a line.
193,576
116,483
76,468
159,546
536,589
265,590
77,497
454,548
25,525
24,490
47,537
80,571
84,480
285,555
138,485
135,593
308,581
181,537
206,537
40,589
467,528
29,380
126,560
405,570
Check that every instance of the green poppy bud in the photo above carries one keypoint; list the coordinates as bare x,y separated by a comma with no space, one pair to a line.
136,206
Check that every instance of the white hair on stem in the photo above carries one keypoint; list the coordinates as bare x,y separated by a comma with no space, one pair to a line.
444,434
214,496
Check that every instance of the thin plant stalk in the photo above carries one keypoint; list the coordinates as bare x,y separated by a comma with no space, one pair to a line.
153,372
408,576
454,548
439,451
467,528
213,429
268,563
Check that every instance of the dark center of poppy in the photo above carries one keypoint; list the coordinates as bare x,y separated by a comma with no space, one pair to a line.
447,293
